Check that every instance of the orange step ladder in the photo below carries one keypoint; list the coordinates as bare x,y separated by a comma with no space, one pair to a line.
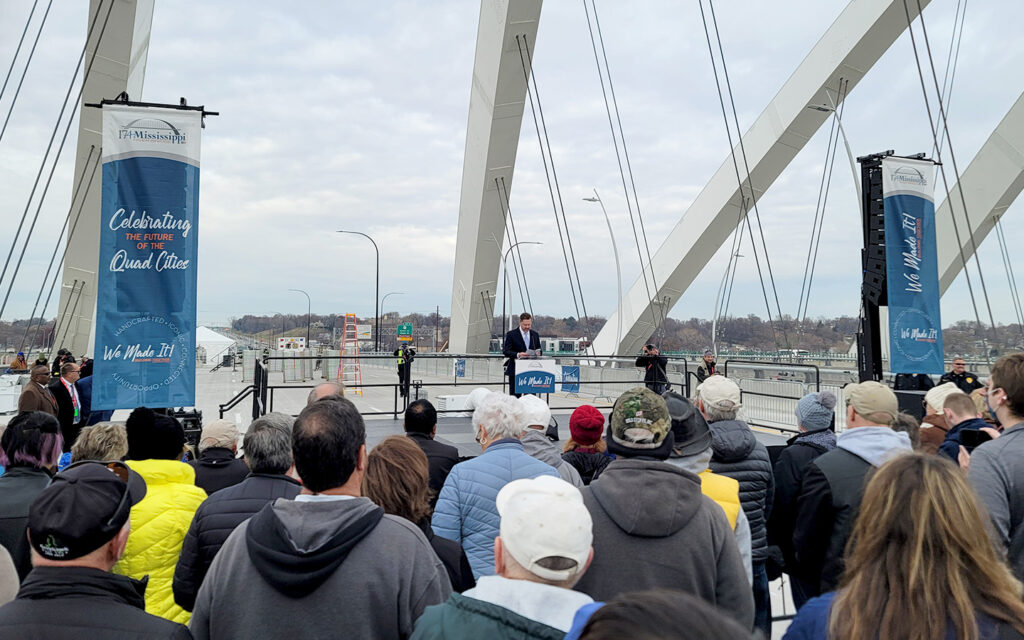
349,372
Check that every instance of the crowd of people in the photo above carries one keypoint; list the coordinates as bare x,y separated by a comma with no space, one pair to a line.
665,519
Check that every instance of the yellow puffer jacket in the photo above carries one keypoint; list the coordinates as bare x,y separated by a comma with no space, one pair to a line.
158,527
725,491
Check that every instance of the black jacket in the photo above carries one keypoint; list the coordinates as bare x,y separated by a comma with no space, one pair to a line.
79,603
589,464
514,345
18,488
217,468
460,574
66,413
826,510
736,453
655,374
789,471
705,370
214,521
441,458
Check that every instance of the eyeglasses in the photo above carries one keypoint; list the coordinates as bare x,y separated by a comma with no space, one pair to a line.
120,470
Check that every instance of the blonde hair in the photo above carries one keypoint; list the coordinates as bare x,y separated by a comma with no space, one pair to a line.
103,441
918,560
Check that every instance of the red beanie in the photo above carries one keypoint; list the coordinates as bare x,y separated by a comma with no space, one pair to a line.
586,425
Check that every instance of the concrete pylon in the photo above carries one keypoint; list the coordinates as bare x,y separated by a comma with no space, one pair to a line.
119,65
496,103
848,49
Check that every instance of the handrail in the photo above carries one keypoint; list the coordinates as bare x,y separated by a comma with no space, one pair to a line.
241,395
783,365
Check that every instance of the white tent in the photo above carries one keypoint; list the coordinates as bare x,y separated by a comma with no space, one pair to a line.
214,344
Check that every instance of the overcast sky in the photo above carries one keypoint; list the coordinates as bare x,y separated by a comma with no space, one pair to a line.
353,115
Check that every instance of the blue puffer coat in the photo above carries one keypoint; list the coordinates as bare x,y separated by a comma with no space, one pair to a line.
466,511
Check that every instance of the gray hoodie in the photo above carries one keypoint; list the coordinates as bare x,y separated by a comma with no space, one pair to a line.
332,567
537,445
654,529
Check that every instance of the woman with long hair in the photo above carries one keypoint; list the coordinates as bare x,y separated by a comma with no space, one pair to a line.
918,565
397,479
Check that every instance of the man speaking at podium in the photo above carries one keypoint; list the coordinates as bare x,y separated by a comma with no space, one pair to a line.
519,343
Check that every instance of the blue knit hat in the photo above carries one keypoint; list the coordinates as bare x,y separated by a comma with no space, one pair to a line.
814,411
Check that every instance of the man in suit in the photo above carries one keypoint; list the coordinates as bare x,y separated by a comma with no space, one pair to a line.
36,396
517,343
69,403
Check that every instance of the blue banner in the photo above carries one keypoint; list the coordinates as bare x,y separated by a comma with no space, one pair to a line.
460,368
146,284
535,375
570,379
912,273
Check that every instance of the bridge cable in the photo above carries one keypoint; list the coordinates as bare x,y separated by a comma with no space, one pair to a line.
515,240
750,178
551,175
505,214
24,71
840,98
17,50
1011,279
658,323
950,74
53,135
942,170
558,190
60,237
739,179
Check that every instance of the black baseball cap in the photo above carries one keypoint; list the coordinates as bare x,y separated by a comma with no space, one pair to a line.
83,508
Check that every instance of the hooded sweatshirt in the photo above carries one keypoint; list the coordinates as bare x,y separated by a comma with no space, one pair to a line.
537,445
830,500
736,453
319,568
653,528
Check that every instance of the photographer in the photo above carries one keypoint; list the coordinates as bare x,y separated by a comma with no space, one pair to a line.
405,356
655,377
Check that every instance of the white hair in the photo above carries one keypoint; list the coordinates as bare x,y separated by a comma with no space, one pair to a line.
502,415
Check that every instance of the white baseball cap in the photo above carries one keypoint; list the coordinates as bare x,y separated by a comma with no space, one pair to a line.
545,517
720,392
535,412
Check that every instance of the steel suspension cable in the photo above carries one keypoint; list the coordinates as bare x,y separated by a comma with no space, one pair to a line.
1010,280
24,71
629,167
750,178
558,190
53,136
515,239
950,73
942,170
828,184
507,237
17,50
736,169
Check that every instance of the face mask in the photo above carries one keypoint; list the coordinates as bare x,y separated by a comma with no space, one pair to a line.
991,411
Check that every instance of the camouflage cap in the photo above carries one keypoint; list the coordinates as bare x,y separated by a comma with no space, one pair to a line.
640,419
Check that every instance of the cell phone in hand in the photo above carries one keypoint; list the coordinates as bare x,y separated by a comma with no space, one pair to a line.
971,438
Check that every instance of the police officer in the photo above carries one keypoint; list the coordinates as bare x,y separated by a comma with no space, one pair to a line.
965,380
405,356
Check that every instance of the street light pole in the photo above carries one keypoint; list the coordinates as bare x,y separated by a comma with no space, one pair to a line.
376,295
618,267
385,299
849,154
309,307
504,280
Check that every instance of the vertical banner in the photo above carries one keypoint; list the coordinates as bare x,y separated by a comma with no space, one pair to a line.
571,378
146,284
912,273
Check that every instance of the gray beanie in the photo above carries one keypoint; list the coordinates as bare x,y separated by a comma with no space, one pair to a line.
814,411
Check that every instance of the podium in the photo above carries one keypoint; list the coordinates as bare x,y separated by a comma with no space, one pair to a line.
536,375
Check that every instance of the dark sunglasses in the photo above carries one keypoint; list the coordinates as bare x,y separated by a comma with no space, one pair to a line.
120,470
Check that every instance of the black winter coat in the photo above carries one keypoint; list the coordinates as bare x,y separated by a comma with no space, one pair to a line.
789,471
441,458
217,468
79,603
460,574
736,453
214,521
589,464
18,488
826,510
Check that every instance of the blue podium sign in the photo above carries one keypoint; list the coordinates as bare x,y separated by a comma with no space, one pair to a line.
536,375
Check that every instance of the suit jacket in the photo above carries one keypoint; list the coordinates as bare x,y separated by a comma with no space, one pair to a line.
34,398
514,345
66,413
